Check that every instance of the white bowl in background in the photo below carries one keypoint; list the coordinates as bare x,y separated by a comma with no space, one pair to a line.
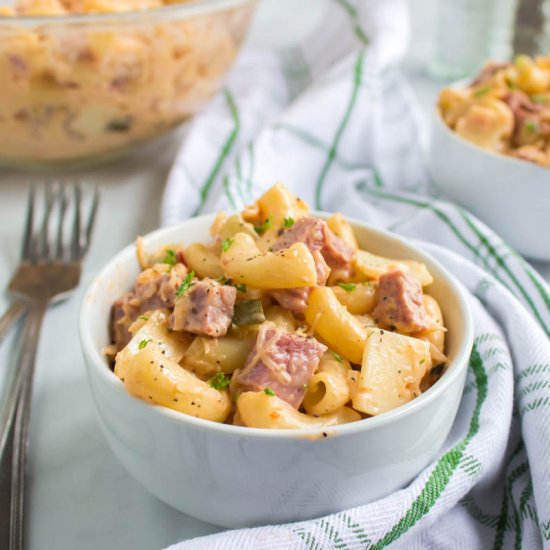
510,195
235,476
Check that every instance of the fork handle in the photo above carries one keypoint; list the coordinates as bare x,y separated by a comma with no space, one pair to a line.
23,394
19,468
14,383
10,318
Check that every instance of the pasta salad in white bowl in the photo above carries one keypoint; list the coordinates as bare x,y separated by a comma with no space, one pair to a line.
274,364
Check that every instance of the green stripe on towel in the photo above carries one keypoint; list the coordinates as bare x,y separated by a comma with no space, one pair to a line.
228,144
445,467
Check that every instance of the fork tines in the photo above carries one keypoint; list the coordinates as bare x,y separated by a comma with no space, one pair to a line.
69,212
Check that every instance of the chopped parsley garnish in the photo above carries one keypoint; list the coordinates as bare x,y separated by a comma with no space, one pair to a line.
481,91
264,226
170,257
337,357
532,126
348,287
288,222
422,361
143,343
219,381
226,244
185,285
269,391
143,318
229,282
539,98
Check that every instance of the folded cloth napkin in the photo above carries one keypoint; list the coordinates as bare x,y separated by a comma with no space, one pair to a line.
335,121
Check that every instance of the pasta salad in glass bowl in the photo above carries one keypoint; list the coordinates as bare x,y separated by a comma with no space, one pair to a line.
85,81
275,364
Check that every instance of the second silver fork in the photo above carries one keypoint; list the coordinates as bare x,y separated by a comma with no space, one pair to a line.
49,271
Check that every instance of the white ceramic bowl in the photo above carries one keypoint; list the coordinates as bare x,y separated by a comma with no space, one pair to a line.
234,476
512,196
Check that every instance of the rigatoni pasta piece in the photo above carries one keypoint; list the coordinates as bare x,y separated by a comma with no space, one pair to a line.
204,260
142,319
335,324
486,123
154,332
372,266
206,356
531,77
352,378
153,377
342,229
328,389
236,224
359,298
290,268
453,103
392,369
281,317
260,410
274,210
367,320
279,203
217,224
436,333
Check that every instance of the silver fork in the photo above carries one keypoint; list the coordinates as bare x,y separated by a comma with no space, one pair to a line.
49,271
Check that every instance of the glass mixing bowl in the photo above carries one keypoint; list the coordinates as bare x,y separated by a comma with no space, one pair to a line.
80,89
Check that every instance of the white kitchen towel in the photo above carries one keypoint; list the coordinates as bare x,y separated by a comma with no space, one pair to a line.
334,120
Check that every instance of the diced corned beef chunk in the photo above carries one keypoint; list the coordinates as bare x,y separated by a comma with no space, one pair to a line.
327,250
525,110
317,236
336,252
124,312
180,256
310,231
155,288
400,303
280,360
488,71
206,308
323,270
295,299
